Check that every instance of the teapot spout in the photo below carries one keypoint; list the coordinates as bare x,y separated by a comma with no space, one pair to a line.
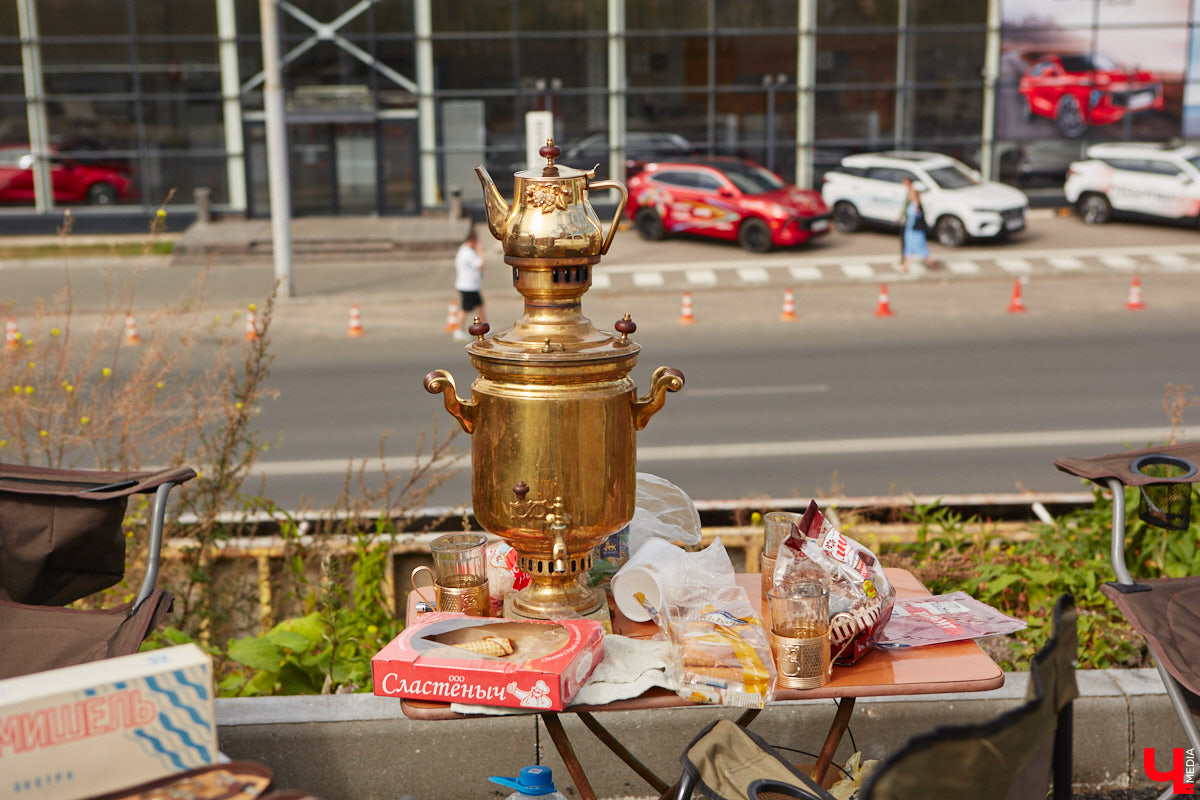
497,209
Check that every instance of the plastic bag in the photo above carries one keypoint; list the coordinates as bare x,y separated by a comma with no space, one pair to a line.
949,617
663,511
860,596
719,652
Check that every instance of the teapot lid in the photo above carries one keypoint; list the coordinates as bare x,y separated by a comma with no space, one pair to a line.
552,171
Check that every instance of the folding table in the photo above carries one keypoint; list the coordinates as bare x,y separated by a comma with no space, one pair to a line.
942,668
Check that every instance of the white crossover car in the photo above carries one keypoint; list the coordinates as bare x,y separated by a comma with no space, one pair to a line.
1136,179
868,189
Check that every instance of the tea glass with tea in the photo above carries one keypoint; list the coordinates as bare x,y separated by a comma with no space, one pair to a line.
459,573
800,633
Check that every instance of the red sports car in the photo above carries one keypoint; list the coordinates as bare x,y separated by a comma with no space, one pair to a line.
73,182
725,198
1078,90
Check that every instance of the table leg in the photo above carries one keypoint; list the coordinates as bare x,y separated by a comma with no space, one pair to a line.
621,751
563,745
841,720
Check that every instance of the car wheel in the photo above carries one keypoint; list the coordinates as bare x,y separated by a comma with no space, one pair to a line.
755,236
649,225
950,231
846,217
1069,117
1094,209
102,194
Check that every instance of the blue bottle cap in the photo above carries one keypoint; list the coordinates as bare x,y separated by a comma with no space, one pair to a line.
535,780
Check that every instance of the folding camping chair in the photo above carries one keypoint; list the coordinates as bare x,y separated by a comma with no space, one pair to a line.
60,541
1165,611
1020,754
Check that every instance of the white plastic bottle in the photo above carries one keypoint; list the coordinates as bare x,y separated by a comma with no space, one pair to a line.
535,783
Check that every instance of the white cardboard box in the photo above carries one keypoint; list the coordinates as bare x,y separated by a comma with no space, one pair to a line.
82,731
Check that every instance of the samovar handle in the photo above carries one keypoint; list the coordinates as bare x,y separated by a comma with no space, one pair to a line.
664,379
441,380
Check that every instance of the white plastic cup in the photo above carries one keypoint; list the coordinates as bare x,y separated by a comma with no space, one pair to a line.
648,571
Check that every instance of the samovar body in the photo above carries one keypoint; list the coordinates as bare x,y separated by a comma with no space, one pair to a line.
553,417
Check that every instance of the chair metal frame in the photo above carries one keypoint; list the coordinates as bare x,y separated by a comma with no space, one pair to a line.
1125,584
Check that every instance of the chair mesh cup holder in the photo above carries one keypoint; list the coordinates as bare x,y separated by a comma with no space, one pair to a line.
1167,504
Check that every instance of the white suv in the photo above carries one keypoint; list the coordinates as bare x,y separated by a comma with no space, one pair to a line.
958,203
1138,179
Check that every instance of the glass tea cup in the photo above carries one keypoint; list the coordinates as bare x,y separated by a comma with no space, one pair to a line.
459,573
800,633
777,525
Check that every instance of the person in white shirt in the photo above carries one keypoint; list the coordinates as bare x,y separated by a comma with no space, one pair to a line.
468,280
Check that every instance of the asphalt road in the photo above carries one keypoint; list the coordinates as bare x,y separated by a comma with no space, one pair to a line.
954,394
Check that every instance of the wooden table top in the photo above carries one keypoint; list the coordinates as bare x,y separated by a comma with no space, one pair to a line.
933,669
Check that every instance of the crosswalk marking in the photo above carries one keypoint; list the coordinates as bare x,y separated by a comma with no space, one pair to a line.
1171,261
962,267
701,277
1015,266
1118,262
806,273
645,279
1066,263
601,281
858,271
753,275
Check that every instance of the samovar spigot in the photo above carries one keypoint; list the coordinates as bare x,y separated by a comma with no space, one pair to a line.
557,522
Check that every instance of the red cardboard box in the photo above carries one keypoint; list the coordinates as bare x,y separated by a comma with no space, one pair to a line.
550,661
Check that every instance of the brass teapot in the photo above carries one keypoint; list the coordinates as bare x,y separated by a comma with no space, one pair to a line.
553,414
550,216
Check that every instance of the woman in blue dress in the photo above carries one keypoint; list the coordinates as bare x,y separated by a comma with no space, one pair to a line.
913,242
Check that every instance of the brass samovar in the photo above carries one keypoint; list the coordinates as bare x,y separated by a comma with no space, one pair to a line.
553,415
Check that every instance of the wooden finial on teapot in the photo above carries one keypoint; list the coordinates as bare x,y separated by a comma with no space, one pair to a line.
550,151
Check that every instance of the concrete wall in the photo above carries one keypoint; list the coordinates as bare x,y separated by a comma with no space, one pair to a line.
360,747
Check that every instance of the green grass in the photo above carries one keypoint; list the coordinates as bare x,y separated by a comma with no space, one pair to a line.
123,250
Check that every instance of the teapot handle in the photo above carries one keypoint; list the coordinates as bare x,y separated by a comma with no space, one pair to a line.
616,220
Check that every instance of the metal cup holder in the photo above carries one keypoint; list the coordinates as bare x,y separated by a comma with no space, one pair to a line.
1167,504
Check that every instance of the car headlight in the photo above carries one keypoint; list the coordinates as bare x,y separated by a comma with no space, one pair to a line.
1094,98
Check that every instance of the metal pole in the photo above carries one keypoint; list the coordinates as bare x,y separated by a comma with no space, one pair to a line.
991,74
231,105
277,153
806,65
35,104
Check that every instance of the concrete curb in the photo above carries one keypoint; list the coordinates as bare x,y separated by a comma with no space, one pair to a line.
361,746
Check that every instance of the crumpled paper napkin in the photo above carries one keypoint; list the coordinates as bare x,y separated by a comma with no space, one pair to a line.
630,667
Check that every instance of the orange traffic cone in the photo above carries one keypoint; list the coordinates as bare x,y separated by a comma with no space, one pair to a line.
451,318
685,313
789,307
131,331
883,309
1134,303
251,325
12,336
1017,304
356,328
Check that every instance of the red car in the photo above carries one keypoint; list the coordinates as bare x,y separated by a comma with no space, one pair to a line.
1078,90
73,182
725,198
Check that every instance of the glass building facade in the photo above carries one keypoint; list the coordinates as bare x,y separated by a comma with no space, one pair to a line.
390,103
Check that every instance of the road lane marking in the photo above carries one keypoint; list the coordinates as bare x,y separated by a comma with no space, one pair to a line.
962,267
1066,263
1015,266
1093,437
806,273
753,275
701,277
1118,262
736,391
601,281
1171,261
645,279
858,271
